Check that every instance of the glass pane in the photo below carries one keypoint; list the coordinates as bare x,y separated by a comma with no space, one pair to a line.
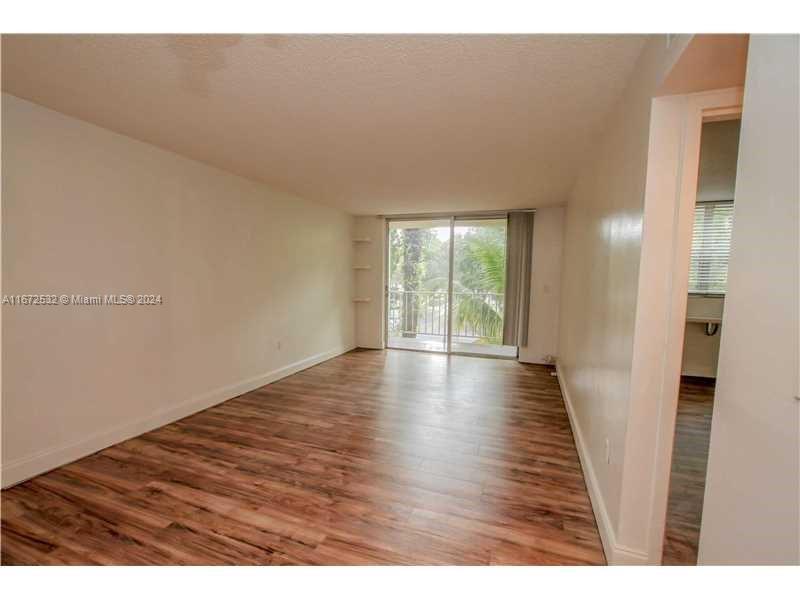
419,264
479,282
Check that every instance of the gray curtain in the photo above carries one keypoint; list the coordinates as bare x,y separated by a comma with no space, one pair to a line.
518,278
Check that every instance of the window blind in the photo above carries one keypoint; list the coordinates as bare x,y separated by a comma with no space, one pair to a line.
711,247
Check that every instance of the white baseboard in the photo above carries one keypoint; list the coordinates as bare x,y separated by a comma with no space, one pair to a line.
26,467
615,553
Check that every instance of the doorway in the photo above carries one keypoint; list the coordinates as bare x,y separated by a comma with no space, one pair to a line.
676,122
708,276
446,280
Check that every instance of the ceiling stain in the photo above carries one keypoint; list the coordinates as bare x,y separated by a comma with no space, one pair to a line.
371,124
200,56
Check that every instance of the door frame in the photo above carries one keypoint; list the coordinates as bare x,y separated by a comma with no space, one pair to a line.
663,288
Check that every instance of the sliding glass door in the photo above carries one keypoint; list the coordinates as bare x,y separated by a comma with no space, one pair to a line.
418,276
479,284
446,285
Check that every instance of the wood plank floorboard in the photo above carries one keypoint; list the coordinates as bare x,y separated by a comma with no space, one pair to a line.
373,457
688,474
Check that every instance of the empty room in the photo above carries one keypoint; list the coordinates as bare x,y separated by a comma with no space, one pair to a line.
383,299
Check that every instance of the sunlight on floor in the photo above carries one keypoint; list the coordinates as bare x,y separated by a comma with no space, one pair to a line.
432,343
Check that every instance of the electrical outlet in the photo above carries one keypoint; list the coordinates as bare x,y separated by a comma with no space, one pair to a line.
608,452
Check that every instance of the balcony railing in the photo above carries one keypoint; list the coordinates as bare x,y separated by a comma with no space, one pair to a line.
476,315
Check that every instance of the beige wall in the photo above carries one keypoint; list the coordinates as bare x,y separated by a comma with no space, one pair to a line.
256,284
547,251
700,351
602,244
751,514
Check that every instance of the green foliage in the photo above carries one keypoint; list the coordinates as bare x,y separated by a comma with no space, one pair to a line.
482,266
480,315
425,270
482,271
419,261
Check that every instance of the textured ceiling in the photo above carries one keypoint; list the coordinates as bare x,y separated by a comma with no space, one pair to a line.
371,124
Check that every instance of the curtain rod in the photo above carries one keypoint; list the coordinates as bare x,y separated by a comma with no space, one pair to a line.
447,215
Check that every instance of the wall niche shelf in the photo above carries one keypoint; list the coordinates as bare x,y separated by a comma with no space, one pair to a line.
362,267
362,240
362,299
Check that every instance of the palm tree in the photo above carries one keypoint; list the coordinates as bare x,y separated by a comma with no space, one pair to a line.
479,308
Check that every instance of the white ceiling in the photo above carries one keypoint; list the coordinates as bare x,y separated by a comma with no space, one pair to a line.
371,124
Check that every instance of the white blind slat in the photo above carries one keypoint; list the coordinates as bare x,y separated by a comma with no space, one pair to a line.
711,247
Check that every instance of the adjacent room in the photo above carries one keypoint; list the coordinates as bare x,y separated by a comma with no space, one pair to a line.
708,279
291,299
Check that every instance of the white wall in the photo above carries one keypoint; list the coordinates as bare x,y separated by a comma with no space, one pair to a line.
700,351
602,245
547,251
241,268
751,513
369,283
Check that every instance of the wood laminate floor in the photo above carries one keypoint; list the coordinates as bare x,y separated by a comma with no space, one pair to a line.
688,476
373,457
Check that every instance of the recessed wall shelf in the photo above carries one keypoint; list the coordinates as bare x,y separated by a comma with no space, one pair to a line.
362,240
362,299
362,267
